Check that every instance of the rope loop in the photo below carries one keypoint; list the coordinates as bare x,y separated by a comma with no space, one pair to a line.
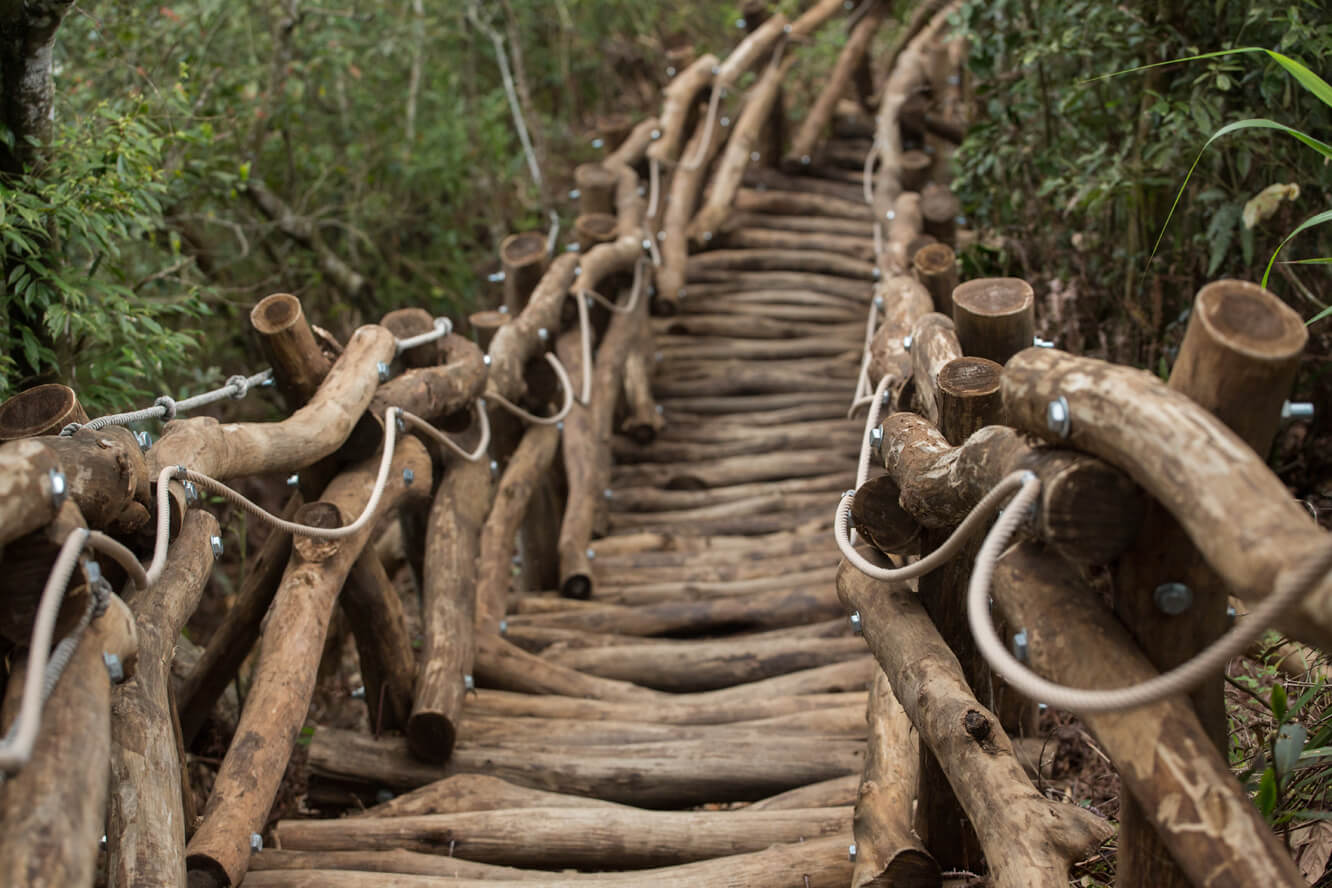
168,406
240,386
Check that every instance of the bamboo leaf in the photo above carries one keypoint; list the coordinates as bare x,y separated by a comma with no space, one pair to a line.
1306,78
1312,221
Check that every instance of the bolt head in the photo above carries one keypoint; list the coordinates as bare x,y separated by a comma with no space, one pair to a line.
145,441
878,302
754,156
1173,598
707,236
656,134
572,248
660,410
591,554
739,23
574,194
804,160
358,693
670,72
725,122
877,273
1041,343
59,486
1297,410
647,244
857,625
1019,645
543,334
191,492
494,468
383,369
399,423
906,342
114,667
876,441
485,359
851,852
293,480
384,795
469,683
256,842
216,543
597,143
608,493
890,214
1058,417
716,69
504,627
408,476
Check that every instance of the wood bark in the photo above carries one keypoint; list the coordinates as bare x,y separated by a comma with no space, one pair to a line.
230,643
642,419
732,470
685,711
1028,840
836,792
407,322
933,344
449,610
804,202
40,410
288,660
816,863
995,317
1162,752
1195,466
504,666
593,229
476,792
857,247
1088,509
383,647
678,100
813,128
146,818
905,300
633,147
686,183
516,342
940,209
935,266
436,391
54,809
888,853
299,366
880,519
761,180
661,774
596,188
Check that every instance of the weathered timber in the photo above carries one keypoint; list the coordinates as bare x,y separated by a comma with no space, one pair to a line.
732,470
915,169
802,203
933,344
880,518
677,101
1162,752
939,209
654,774
968,397
686,183
596,188
753,327
380,868
905,300
1088,509
485,324
54,809
1195,466
817,224
935,266
736,510
796,436
436,391
383,647
857,247
995,317
816,863
145,818
687,710
40,410
684,667
735,568
888,853
476,792
288,660
646,499
407,322
761,180
517,342
523,258
642,420
504,666
449,608
835,792
632,149
299,366
231,642
1028,840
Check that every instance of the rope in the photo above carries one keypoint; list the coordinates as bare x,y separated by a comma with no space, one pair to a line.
565,384
443,327
654,188
434,434
630,304
714,105
1290,589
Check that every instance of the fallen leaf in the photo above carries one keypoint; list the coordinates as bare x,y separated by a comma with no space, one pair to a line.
1313,848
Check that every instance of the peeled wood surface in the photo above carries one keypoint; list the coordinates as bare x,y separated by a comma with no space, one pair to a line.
432,392
969,398
816,863
516,342
683,711
995,317
1028,840
146,817
284,679
571,836
1192,463
1089,509
53,810
677,100
299,366
935,266
933,344
686,183
1162,752
857,247
476,792
383,647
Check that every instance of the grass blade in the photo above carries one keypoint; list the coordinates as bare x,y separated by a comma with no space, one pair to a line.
1319,219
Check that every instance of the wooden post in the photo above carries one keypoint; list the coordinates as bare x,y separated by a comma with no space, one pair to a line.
289,344
54,809
915,169
523,258
933,344
940,209
888,853
594,228
969,398
40,410
596,189
485,324
452,544
880,518
995,317
1238,360
388,666
146,819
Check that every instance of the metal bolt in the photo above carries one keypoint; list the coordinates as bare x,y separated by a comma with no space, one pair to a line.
1231,613
191,492
707,236
256,842
906,342
876,442
1019,645
890,214
670,72
716,69
145,440
504,627
399,423
804,159
661,235
384,795
878,302
1297,410
657,357
114,668
102,843
469,683
682,293
953,80
848,4
408,476
358,693
608,493
851,852
516,560
656,134
494,468
293,480
960,220
1042,343
560,425
1041,707
597,143
887,399
574,194
786,29
856,627
543,334
572,248
383,369
877,273
503,309
485,359
647,243
739,23
660,409
1173,598
59,487
754,156
216,543
725,121
1058,418
642,190
591,554
495,277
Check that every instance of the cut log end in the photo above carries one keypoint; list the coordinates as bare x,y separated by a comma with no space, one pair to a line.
321,514
1251,320
40,410
205,872
994,297
524,248
431,736
909,869
594,228
276,313
880,518
577,586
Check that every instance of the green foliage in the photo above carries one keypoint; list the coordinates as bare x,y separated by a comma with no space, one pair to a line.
1079,171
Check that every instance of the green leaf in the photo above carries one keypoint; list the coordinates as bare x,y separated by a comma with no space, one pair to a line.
1289,745
1278,703
1318,219
1306,78
1267,793
1318,317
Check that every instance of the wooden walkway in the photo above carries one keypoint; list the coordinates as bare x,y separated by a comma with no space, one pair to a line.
720,734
